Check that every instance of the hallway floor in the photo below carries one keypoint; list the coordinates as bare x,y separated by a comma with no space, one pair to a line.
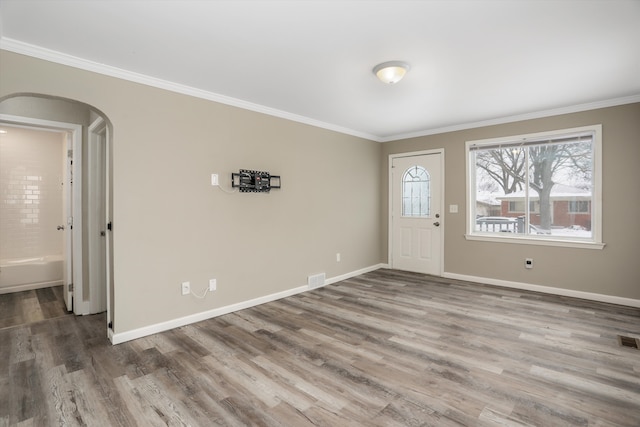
23,308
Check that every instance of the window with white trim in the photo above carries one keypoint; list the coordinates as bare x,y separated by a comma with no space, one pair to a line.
545,186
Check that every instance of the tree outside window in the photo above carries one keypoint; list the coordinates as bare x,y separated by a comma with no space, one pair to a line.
543,185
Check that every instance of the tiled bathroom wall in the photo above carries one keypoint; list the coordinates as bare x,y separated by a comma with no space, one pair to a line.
31,190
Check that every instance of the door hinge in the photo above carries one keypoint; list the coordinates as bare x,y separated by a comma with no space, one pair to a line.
110,325
109,226
70,287
69,153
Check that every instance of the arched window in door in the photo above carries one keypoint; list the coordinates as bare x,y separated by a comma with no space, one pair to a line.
416,192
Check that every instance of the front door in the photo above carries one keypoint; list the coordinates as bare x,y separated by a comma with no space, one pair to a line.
416,213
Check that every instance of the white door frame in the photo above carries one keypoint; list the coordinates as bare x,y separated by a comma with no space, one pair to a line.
390,202
76,135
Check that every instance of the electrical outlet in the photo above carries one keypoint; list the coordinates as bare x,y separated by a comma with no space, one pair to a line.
213,284
214,179
528,263
186,288
338,257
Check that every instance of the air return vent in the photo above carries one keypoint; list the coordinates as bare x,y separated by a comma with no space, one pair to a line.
628,342
316,280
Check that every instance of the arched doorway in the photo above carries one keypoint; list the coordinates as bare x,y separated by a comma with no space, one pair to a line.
87,187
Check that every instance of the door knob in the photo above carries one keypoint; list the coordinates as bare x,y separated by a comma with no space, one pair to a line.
60,227
437,224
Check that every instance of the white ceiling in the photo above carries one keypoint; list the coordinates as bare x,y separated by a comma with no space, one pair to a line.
473,62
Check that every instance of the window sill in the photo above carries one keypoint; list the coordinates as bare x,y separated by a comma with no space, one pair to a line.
536,241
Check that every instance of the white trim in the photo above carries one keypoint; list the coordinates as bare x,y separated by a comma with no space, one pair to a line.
390,201
27,49
596,212
518,118
611,299
534,241
118,338
30,122
79,305
109,237
119,73
351,274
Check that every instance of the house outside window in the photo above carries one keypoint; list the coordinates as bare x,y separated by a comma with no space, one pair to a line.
579,206
545,186
518,206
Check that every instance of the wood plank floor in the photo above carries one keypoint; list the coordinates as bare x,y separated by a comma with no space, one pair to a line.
386,348
21,308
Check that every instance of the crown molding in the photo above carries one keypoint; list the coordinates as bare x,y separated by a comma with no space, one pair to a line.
27,49
517,118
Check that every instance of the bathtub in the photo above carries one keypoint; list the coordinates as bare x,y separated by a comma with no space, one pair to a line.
30,273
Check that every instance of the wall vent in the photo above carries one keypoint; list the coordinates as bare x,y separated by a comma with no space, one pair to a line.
316,280
628,342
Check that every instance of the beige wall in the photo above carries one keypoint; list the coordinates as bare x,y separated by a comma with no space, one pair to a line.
615,270
171,225
46,109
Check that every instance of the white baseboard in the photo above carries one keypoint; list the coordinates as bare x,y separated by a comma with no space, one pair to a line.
353,274
547,290
118,338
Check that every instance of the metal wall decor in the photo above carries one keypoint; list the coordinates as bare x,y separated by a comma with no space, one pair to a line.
250,181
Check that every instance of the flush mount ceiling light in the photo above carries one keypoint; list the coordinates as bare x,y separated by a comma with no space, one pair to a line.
391,72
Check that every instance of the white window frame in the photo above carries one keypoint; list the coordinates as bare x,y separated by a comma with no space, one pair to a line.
596,206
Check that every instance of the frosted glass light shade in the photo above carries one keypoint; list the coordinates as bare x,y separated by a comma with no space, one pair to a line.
391,72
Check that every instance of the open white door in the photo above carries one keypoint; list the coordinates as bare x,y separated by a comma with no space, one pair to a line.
416,220
67,206
97,218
